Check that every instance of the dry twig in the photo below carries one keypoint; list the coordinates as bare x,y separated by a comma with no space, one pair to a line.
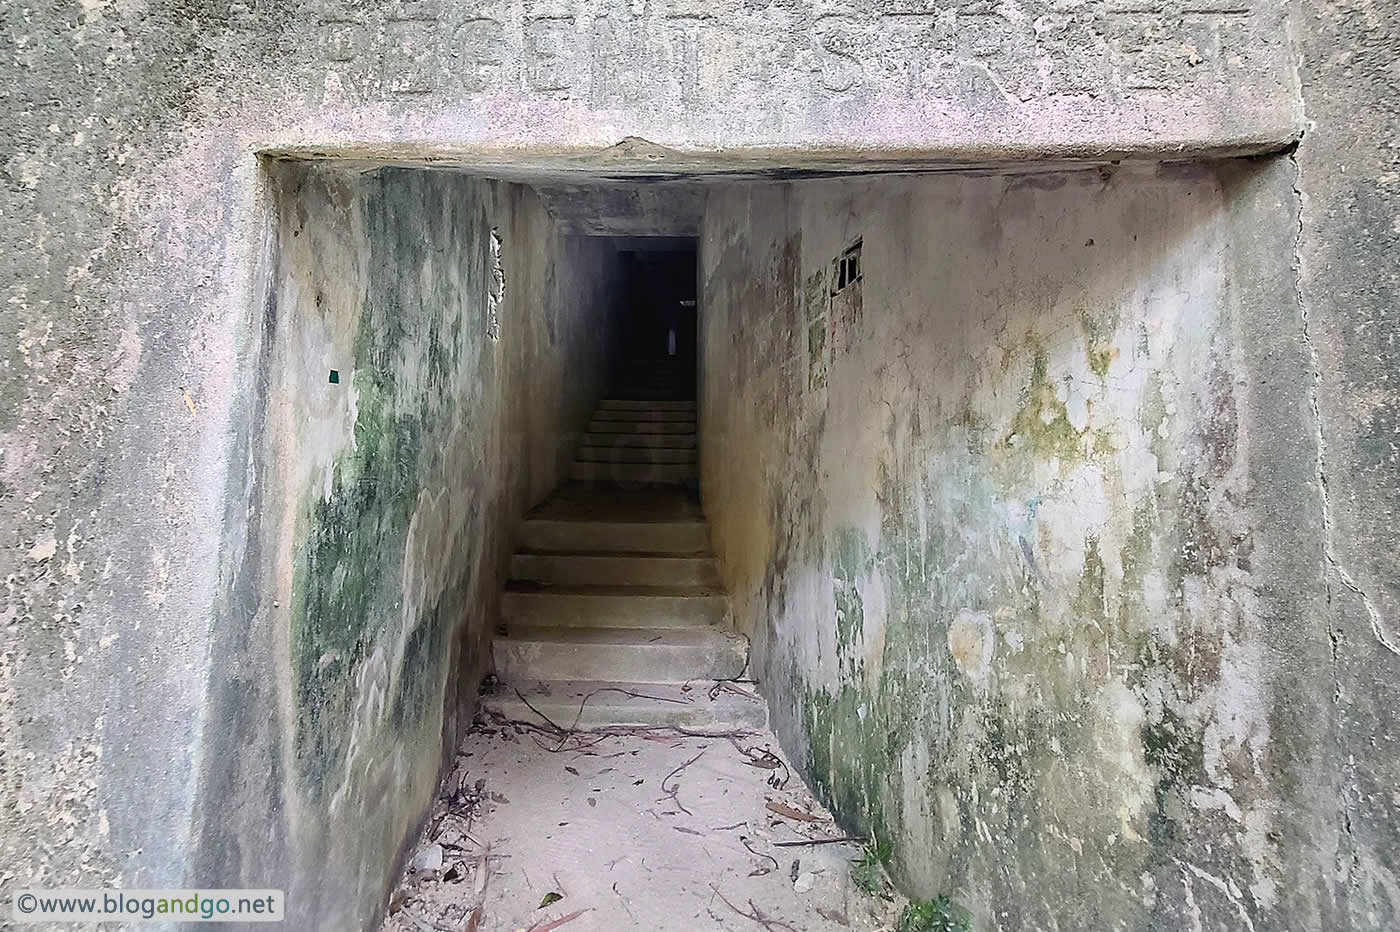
756,915
817,841
671,793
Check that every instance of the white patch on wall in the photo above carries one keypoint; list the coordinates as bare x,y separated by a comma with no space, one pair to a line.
972,643
496,290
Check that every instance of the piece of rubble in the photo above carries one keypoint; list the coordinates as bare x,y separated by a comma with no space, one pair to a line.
429,859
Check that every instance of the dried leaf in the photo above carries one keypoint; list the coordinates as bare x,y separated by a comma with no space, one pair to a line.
499,798
788,812
474,920
483,873
550,899
558,922
572,771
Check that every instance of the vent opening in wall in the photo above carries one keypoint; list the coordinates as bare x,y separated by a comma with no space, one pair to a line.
845,269
496,290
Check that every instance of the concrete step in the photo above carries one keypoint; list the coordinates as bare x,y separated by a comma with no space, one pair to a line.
683,536
655,655
597,426
561,568
594,704
601,606
616,454
667,441
643,404
644,414
654,473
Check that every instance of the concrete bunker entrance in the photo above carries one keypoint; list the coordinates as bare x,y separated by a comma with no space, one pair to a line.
869,447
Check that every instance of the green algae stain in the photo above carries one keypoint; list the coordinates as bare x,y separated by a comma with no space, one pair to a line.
1043,420
974,424
853,565
1099,347
1091,599
1136,558
851,758
347,579
347,588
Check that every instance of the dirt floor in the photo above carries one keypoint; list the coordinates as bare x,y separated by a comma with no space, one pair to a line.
648,829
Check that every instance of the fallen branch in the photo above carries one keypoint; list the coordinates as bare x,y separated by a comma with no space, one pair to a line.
765,759
719,683
756,915
532,708
618,731
817,841
743,839
635,695
671,793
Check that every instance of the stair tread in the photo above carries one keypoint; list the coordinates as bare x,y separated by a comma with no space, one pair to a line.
589,703
674,636
616,554
592,503
690,592
640,441
580,688
621,522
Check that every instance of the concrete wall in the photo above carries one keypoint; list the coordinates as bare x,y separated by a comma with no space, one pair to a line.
1349,175
368,534
1024,527
134,323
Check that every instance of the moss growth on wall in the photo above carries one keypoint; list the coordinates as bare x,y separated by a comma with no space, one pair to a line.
1043,420
348,591
347,580
851,566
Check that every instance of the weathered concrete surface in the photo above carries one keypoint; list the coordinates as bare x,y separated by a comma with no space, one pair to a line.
637,831
270,701
1349,174
467,337
625,210
1024,527
137,214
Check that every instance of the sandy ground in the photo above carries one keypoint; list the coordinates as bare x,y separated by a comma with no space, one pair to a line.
647,830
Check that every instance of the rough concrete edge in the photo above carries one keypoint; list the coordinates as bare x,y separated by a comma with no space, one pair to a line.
1335,564
1286,503
632,155
461,703
1344,801
241,438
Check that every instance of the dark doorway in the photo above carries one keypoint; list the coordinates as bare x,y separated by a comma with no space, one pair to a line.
658,353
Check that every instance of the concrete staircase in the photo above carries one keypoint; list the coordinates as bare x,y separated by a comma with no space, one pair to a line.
639,442
614,613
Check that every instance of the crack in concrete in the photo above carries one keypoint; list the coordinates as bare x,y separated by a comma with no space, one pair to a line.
1378,626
